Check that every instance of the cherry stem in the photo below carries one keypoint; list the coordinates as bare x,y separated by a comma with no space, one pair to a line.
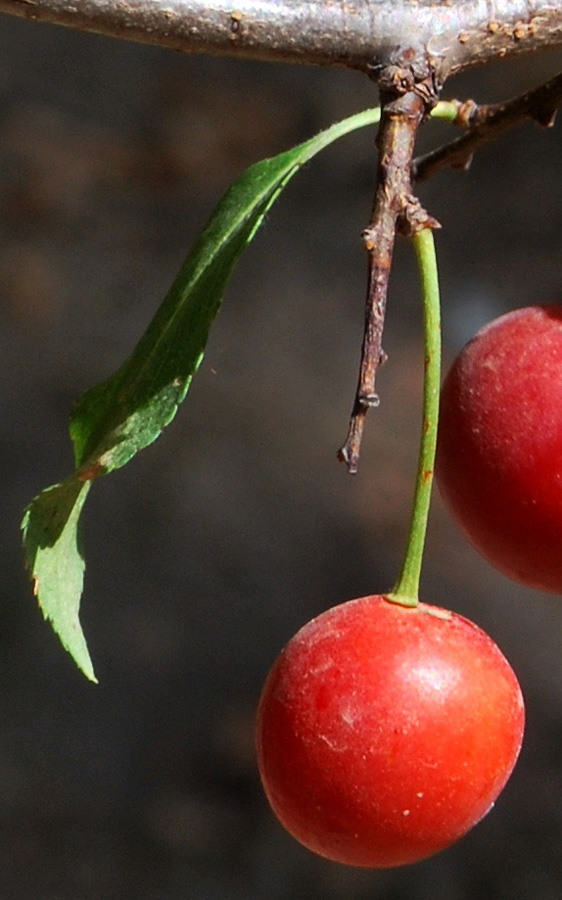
406,589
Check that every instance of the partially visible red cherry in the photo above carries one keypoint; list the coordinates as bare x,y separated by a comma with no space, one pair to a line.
499,455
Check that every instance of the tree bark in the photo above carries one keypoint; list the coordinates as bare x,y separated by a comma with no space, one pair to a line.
445,36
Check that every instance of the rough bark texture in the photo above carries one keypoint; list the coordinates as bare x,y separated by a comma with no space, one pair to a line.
395,208
449,35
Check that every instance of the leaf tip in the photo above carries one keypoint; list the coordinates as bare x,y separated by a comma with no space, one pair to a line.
88,671
56,565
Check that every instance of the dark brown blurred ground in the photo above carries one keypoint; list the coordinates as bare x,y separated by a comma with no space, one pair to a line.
216,544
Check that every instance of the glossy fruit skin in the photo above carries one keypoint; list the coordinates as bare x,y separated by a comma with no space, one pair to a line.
385,732
499,456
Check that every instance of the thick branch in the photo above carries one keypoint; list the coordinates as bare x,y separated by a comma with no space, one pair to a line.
449,34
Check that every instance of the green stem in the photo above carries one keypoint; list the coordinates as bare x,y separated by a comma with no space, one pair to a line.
407,587
446,110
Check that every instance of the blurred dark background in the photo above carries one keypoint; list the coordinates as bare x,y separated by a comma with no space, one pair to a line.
209,551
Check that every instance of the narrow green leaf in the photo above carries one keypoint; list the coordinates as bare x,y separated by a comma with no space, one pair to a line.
119,417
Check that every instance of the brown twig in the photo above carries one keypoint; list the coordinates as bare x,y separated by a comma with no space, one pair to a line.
403,106
487,122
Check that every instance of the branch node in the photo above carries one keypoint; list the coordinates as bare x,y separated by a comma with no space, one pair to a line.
368,401
396,81
466,111
414,218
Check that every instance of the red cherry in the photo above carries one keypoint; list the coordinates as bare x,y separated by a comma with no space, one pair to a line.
499,457
385,732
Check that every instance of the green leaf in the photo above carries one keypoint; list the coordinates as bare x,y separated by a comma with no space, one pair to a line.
50,526
119,417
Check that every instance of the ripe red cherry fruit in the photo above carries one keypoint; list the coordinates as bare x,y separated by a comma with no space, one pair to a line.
385,732
499,456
